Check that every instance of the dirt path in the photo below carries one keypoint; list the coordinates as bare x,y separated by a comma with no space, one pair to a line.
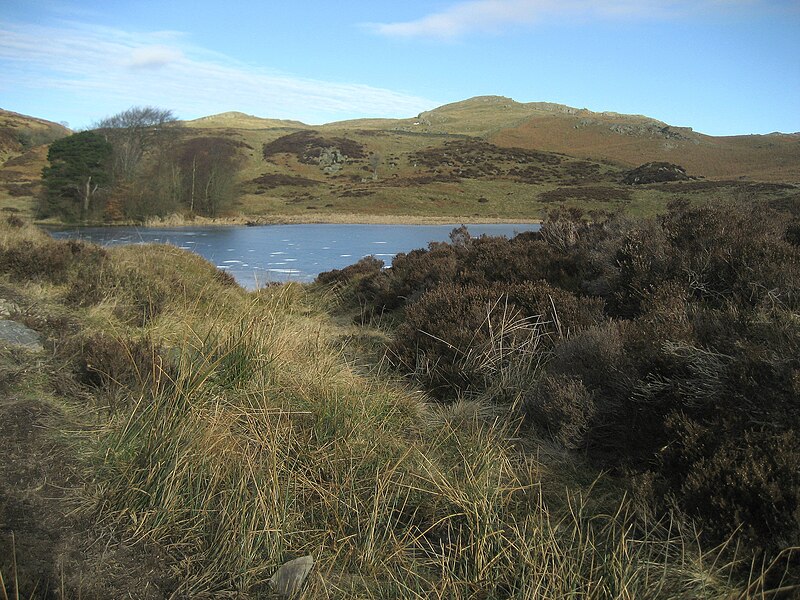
35,478
49,548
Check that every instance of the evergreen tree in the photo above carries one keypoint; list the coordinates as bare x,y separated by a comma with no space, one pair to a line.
80,166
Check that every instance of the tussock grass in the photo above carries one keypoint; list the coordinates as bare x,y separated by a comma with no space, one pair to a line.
261,444
241,433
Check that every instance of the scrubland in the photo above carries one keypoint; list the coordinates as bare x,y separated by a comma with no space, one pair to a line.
603,410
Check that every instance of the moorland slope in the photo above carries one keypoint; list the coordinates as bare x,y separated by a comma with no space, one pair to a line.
484,158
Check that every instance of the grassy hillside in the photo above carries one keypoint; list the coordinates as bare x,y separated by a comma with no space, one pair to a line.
19,133
397,172
774,157
179,437
23,154
487,158
239,120
458,161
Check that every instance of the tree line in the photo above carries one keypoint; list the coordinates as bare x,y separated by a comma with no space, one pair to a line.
136,164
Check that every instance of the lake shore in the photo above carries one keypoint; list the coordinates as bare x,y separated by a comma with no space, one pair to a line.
311,219
287,252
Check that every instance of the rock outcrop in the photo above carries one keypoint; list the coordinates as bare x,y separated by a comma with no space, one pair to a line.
655,172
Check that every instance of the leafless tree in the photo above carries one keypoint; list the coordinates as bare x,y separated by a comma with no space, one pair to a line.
374,162
206,173
132,132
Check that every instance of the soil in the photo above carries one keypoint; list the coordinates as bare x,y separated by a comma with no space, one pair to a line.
49,546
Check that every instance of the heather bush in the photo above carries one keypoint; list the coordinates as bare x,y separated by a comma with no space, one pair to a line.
563,408
743,482
46,259
666,347
721,254
367,266
29,261
415,273
15,222
111,364
443,330
792,234
447,328
481,261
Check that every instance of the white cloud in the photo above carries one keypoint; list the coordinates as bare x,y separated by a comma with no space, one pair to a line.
110,67
149,57
497,15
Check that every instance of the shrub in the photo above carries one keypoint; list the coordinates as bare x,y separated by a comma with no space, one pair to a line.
418,271
30,261
366,267
111,363
447,334
479,261
792,234
562,407
743,482
15,222
45,260
225,278
665,347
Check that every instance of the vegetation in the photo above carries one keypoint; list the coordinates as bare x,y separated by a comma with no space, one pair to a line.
136,165
479,160
605,409
78,174
181,437
132,132
663,350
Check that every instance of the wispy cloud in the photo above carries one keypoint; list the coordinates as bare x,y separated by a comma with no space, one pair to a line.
109,66
498,15
149,57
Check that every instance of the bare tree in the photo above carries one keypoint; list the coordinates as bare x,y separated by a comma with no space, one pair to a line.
375,162
207,170
132,132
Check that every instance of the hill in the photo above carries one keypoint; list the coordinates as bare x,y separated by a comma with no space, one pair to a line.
630,140
492,157
240,120
634,140
19,133
23,153
481,159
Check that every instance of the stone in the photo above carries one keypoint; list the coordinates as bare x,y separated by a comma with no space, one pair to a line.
16,334
655,172
331,159
7,308
289,579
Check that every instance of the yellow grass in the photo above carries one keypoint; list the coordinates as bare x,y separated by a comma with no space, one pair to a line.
254,431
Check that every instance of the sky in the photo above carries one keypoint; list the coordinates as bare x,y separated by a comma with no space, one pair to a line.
722,67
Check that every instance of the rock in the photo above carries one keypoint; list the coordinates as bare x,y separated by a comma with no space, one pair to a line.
16,334
331,159
289,579
655,172
7,308
653,129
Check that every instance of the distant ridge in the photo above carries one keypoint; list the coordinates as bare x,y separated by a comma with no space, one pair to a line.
240,120
19,133
486,114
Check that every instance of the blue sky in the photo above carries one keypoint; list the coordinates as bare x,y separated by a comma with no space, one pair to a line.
723,67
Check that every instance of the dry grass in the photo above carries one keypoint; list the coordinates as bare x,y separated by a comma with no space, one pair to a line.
246,438
260,444
714,157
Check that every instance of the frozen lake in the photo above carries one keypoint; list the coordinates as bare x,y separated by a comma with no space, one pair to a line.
267,253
